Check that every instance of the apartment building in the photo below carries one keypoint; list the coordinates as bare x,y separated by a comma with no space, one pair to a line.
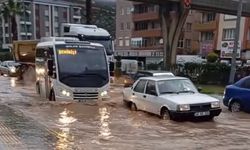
216,29
139,32
124,27
43,18
208,28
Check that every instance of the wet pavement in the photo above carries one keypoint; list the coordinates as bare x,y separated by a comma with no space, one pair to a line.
29,122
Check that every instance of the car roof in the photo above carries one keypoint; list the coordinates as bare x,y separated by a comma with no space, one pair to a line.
161,78
153,71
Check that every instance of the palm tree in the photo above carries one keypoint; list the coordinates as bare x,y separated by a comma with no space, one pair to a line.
10,10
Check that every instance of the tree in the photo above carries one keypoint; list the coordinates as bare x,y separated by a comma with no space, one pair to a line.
212,57
10,10
88,11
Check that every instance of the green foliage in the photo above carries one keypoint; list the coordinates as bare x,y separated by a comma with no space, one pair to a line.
9,10
210,73
212,57
5,56
153,66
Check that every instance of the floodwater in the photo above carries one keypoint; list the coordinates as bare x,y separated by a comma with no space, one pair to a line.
110,125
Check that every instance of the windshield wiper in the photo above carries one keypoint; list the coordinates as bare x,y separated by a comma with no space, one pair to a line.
186,91
96,74
82,75
169,92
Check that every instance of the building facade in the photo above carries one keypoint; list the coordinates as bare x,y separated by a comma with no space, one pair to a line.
43,18
139,32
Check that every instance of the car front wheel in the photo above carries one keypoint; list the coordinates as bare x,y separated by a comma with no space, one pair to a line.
165,114
133,107
235,106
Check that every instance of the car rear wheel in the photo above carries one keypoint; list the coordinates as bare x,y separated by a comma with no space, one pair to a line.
165,114
235,106
133,107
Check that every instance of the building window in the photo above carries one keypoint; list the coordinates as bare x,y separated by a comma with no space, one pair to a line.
180,43
207,17
46,18
228,34
230,17
120,42
47,29
56,9
207,36
56,19
188,43
127,42
141,26
122,11
122,26
128,10
128,26
189,27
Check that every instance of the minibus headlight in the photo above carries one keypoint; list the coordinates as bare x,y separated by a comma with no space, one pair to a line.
104,93
65,93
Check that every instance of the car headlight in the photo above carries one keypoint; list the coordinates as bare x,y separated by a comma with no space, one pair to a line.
184,107
65,93
104,93
215,104
12,69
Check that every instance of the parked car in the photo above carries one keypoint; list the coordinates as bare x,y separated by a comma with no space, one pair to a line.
170,98
146,73
237,96
9,68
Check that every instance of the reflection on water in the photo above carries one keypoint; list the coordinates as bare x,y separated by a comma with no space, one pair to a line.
64,138
13,82
105,131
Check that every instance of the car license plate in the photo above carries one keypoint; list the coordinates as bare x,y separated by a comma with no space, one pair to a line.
205,113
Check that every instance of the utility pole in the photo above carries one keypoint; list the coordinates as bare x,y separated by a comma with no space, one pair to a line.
236,42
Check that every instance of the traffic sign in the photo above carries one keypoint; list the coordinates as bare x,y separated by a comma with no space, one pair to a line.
187,3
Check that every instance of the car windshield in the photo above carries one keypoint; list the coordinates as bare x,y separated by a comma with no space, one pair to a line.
176,86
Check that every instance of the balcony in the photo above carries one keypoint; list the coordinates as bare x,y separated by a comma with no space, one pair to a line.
248,44
208,26
153,47
146,16
147,33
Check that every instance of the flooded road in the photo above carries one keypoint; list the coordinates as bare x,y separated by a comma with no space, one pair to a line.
39,124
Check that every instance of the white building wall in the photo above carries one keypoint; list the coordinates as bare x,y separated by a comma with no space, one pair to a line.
229,24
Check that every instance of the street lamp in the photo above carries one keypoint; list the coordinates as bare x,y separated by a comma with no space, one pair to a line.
236,42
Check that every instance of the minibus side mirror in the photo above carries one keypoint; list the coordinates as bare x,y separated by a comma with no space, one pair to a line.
50,67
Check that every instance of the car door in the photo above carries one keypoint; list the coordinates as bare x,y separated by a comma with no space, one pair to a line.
245,96
138,93
151,98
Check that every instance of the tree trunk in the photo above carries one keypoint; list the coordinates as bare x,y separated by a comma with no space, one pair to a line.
14,28
9,31
88,11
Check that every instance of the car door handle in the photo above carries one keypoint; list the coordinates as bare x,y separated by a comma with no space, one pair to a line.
144,96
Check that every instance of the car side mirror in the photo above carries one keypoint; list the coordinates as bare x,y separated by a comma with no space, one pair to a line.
50,68
199,89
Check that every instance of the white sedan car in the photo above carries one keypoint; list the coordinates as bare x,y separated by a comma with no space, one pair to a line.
170,98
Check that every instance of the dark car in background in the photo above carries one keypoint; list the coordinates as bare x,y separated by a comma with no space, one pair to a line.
237,96
146,73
